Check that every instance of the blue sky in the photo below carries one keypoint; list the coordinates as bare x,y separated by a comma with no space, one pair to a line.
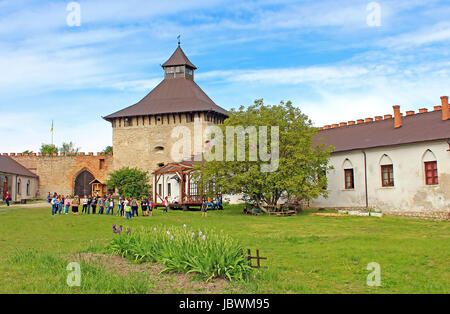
322,55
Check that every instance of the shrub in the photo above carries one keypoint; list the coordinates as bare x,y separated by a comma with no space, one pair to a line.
211,254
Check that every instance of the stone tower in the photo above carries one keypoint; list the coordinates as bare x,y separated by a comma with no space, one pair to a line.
142,132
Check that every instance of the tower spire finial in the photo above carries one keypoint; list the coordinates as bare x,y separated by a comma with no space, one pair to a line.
179,42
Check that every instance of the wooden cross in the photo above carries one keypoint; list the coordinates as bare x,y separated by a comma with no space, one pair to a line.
257,257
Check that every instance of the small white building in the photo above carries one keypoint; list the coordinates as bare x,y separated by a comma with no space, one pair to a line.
399,163
21,183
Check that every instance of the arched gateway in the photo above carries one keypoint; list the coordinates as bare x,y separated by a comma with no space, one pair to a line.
82,186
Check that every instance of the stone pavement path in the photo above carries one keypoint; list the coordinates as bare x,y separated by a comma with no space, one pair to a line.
32,205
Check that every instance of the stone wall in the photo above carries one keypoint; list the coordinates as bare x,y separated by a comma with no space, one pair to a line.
57,173
147,143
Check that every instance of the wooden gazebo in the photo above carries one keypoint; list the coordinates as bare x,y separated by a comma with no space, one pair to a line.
190,194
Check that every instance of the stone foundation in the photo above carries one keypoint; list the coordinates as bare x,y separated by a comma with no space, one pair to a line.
438,215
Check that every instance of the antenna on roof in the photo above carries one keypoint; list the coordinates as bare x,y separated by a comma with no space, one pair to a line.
178,37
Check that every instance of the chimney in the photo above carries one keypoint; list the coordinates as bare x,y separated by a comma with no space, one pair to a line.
445,108
397,117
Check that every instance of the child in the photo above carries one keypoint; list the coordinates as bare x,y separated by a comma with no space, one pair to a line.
150,208
54,203
204,209
128,211
166,205
67,203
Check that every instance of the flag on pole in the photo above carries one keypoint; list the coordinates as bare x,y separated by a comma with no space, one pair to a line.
52,127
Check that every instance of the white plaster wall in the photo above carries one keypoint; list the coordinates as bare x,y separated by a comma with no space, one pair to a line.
410,193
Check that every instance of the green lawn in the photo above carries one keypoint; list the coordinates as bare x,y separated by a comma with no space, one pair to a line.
306,254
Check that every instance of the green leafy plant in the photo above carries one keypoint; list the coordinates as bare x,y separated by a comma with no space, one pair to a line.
211,254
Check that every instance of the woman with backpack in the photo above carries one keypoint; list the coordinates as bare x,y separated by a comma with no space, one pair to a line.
134,207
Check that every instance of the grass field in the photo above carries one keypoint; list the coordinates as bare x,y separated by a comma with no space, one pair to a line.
306,254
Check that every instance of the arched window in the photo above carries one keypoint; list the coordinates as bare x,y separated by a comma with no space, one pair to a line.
18,186
430,166
387,171
28,187
349,176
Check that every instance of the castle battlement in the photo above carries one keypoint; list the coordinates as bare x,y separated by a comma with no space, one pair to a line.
90,154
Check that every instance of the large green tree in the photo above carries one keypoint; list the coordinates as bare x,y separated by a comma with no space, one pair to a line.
48,149
302,164
129,182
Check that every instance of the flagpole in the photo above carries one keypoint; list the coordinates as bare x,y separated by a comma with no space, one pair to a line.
52,132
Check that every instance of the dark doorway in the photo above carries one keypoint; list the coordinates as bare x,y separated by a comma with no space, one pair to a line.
82,186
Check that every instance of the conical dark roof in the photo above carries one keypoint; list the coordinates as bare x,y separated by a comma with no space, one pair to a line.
171,96
178,58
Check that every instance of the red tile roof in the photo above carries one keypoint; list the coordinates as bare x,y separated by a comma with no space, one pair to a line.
427,126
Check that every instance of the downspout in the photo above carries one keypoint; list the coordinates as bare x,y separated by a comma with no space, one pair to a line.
15,188
365,179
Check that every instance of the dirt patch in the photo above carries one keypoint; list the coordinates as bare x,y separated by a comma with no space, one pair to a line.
166,283
328,215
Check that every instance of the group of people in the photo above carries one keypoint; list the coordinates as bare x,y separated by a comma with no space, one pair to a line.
254,211
127,207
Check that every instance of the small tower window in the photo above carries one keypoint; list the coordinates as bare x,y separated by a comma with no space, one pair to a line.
159,149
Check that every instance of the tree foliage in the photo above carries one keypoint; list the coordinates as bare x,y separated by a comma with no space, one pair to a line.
129,182
301,172
48,149
108,149
68,148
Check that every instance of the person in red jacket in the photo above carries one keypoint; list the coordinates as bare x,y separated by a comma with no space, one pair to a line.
7,198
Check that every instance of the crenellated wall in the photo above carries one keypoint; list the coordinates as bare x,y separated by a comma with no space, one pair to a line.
57,172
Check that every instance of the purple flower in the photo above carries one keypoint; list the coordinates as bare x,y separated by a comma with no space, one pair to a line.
128,231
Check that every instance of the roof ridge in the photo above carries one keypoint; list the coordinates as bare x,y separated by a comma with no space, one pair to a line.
409,113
